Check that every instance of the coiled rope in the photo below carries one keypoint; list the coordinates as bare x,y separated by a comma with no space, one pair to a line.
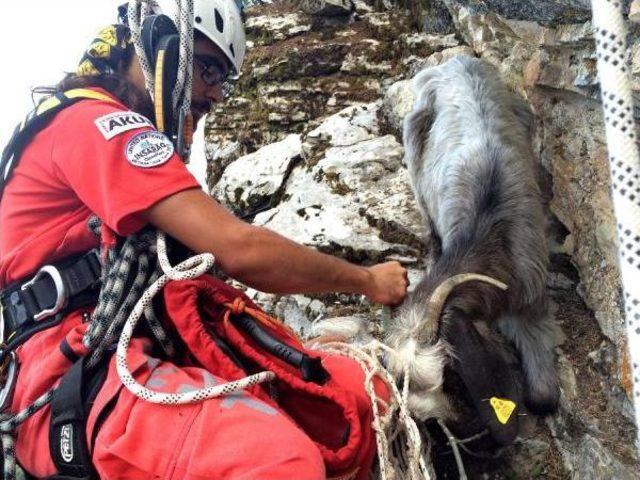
184,21
624,164
137,11
189,269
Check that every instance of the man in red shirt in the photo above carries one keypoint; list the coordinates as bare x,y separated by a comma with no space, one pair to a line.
104,157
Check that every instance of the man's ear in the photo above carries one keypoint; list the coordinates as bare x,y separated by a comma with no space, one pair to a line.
491,383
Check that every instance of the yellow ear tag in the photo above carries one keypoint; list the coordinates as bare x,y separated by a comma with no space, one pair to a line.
503,408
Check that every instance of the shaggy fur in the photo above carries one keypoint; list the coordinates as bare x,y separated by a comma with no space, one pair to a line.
468,152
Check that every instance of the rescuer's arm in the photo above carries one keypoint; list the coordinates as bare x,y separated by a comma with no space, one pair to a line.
266,260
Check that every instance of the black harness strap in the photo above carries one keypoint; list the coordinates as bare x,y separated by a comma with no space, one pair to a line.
71,403
62,287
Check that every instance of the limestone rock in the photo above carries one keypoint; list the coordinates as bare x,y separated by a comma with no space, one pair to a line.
436,18
440,57
252,181
321,212
327,8
398,102
219,155
572,148
266,29
316,60
545,12
293,72
299,312
557,71
634,11
354,196
348,127
353,64
362,6
424,44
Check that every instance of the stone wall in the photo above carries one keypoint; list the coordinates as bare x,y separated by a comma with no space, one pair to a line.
310,145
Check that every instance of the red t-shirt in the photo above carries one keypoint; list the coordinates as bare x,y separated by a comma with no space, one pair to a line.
93,158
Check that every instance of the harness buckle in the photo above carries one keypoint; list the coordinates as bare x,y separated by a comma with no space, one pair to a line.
61,293
8,376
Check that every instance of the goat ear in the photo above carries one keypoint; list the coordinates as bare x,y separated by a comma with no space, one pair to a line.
417,124
415,131
492,384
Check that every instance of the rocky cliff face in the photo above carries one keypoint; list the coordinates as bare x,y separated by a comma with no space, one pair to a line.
310,146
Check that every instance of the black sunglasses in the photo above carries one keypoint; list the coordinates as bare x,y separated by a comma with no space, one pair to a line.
213,72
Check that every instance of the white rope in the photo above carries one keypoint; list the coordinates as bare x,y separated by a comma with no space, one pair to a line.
396,424
189,269
136,12
184,22
624,163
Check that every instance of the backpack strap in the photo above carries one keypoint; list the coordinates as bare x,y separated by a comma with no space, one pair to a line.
37,120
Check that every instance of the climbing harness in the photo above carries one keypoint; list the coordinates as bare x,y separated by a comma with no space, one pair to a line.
41,302
53,290
624,163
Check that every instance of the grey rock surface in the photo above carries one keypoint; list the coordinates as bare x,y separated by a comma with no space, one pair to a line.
327,7
545,12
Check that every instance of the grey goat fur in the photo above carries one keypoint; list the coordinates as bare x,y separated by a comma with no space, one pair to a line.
468,151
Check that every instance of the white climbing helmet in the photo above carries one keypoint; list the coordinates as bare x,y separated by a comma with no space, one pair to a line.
221,21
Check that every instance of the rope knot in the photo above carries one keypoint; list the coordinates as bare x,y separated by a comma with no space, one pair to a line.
238,306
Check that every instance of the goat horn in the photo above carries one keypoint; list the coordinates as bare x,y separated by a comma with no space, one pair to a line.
440,294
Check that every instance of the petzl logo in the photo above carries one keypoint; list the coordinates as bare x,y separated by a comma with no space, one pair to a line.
115,123
66,443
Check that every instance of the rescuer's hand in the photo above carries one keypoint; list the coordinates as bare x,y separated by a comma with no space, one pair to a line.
388,283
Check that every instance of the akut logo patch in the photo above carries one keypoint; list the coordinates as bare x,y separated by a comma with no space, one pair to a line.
116,123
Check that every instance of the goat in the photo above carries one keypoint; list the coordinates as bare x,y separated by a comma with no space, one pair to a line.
468,152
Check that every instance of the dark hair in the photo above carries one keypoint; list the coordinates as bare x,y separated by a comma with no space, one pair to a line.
115,83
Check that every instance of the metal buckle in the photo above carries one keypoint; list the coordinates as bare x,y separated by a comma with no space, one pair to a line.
9,376
61,299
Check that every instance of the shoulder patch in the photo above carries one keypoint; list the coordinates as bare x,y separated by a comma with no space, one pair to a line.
149,149
115,123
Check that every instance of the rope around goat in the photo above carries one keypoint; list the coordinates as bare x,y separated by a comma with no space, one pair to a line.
396,422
